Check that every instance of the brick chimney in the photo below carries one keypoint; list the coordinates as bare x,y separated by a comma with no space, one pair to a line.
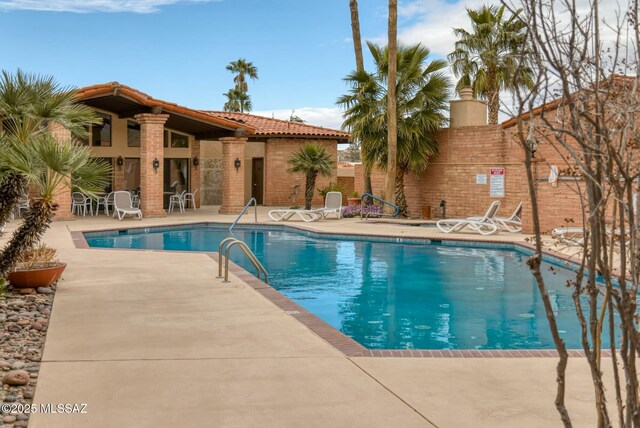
467,111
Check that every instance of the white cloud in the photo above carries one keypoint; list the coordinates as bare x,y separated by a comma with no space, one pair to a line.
431,22
318,116
88,6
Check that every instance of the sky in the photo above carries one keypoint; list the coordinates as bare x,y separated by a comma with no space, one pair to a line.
177,50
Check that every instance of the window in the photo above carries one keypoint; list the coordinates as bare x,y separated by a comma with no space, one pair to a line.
101,134
82,140
165,135
179,141
133,134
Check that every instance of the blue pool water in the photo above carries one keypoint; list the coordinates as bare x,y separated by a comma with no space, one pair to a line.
393,293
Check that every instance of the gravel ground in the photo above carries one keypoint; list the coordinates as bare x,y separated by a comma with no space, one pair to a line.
24,318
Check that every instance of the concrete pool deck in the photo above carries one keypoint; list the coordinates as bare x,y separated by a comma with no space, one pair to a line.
151,339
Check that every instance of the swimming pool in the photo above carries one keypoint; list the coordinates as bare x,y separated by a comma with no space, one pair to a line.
392,293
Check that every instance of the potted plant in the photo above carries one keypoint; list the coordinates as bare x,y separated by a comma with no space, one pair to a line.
37,267
354,199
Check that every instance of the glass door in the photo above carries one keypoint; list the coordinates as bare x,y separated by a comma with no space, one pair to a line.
176,177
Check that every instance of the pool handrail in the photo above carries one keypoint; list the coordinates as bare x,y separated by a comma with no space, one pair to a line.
246,206
252,258
379,200
221,252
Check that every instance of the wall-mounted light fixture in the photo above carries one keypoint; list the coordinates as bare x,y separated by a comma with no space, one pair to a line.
196,161
156,163
237,163
120,162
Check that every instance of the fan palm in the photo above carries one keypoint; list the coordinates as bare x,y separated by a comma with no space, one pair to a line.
312,160
421,96
485,59
48,166
243,69
28,103
237,101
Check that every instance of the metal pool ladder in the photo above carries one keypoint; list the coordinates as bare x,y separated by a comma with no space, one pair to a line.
244,210
246,250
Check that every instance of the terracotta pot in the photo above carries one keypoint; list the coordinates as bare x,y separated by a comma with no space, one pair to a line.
34,278
353,201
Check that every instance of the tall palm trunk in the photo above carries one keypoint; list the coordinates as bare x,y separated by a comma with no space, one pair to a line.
36,222
357,47
308,191
401,199
392,120
11,189
493,96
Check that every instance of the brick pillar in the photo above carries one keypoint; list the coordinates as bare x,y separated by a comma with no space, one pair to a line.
118,175
194,173
151,148
63,192
232,179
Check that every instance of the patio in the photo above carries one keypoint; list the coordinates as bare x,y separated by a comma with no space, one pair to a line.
148,338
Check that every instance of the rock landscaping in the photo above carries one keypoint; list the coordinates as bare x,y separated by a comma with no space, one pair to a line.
24,317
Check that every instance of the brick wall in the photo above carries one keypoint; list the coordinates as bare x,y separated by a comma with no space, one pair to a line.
232,178
279,182
63,192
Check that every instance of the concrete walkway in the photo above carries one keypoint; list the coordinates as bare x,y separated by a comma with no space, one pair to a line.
152,339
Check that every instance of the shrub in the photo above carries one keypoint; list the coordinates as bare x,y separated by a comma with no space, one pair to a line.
332,187
354,210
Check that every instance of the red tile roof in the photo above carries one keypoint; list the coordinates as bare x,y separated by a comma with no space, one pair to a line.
615,79
276,127
115,88
253,124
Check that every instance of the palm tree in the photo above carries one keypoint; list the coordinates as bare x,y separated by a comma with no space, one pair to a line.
48,166
485,59
421,94
357,48
237,101
392,112
312,159
242,68
28,103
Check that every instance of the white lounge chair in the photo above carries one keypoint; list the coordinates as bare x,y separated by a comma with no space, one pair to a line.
332,204
123,205
484,225
304,215
512,223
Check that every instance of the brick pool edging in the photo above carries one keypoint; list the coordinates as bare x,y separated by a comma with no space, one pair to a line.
333,336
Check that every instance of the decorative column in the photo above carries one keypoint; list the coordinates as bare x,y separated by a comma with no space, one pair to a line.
195,171
63,192
151,163
233,174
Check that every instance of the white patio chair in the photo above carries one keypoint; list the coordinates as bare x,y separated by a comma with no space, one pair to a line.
332,204
80,203
484,225
106,201
178,198
123,205
190,197
304,215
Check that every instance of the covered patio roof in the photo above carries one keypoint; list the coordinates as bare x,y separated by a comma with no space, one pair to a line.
127,102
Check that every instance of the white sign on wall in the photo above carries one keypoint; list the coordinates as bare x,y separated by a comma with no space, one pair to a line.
481,178
496,182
